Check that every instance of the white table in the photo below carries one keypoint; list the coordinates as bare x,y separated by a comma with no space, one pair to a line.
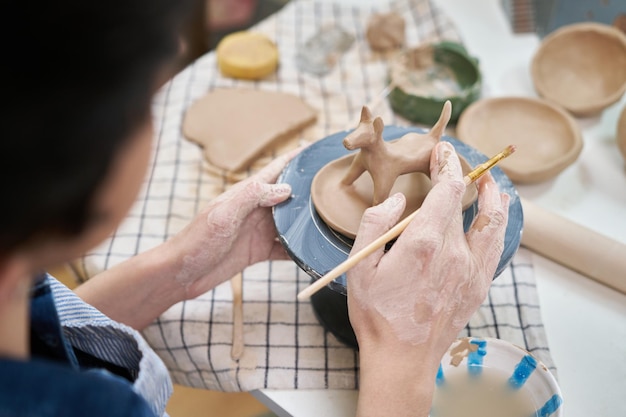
585,321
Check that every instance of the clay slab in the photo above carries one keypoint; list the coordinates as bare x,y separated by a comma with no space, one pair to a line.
234,126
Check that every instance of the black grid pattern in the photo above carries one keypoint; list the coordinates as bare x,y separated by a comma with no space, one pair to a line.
285,347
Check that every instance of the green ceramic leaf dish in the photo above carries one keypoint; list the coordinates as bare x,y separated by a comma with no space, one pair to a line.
426,76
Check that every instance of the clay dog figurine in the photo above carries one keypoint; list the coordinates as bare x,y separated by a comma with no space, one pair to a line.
385,161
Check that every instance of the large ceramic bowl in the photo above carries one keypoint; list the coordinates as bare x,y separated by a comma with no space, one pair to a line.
317,249
485,374
548,139
427,76
581,67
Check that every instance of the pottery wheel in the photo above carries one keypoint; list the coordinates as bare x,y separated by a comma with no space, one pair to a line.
317,248
342,206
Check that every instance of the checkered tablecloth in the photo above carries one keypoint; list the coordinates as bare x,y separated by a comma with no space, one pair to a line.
285,347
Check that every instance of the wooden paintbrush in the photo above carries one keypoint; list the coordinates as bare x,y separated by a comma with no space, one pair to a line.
394,231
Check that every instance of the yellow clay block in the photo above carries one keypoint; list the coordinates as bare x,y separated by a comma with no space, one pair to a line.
247,55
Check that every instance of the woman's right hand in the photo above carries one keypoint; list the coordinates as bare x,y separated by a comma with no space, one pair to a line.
410,303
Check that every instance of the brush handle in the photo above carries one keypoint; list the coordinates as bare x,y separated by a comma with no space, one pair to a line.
574,246
357,257
346,265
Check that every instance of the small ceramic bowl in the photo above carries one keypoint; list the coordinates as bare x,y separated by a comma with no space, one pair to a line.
621,133
424,78
494,377
548,139
581,67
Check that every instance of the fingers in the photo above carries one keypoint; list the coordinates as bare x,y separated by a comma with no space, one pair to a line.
232,207
272,194
443,202
486,235
254,194
260,190
376,221
445,164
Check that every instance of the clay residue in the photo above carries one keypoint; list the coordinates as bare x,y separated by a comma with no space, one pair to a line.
416,73
481,222
385,31
462,350
444,165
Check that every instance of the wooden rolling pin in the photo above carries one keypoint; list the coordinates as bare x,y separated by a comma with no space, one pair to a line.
574,246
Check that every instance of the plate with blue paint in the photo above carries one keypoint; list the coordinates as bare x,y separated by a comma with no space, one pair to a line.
490,377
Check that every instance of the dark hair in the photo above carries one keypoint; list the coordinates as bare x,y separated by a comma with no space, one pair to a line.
77,80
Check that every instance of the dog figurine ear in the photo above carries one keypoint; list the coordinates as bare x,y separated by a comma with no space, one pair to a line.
378,126
366,115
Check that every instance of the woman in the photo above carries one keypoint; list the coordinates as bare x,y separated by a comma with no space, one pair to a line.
79,78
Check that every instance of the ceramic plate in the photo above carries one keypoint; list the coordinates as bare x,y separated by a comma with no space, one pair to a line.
317,249
518,371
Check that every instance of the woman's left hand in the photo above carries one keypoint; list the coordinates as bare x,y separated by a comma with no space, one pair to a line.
233,231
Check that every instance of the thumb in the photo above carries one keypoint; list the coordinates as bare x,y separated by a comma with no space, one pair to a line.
251,194
237,203
272,194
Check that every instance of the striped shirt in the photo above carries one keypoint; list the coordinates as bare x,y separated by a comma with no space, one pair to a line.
90,331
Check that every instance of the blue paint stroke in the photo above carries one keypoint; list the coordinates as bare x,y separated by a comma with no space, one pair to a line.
440,380
522,372
550,406
475,359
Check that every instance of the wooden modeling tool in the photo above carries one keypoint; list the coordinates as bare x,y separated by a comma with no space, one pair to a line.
236,284
394,231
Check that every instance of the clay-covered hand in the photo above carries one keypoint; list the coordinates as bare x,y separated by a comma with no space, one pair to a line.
233,231
423,291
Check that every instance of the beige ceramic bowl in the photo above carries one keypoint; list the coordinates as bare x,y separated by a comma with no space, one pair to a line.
582,67
547,138
621,132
